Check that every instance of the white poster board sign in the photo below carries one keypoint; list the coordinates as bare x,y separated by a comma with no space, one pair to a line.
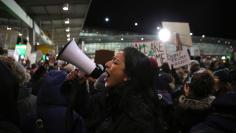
178,58
182,29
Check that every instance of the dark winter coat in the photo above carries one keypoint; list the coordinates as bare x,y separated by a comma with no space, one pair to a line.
8,95
52,105
27,108
223,116
190,112
118,110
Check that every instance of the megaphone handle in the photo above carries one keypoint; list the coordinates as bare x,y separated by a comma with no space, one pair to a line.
96,72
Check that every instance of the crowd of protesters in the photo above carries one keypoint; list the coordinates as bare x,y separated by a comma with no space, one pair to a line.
133,95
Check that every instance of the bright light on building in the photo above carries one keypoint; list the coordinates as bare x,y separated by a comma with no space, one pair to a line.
135,24
20,34
158,28
68,39
164,35
142,38
68,35
191,34
8,28
203,36
37,43
65,7
122,39
223,57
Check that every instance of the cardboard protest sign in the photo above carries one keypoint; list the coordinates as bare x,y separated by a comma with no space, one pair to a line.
178,58
182,29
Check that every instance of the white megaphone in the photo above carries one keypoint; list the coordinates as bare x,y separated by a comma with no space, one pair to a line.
73,54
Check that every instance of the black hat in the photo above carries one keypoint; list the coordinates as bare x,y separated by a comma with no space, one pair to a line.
223,75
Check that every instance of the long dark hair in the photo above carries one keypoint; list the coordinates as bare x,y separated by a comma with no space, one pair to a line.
142,75
138,68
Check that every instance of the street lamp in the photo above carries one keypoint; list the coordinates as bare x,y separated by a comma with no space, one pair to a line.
107,19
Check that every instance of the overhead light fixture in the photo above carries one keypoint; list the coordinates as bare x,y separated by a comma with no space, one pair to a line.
68,29
68,35
65,7
67,21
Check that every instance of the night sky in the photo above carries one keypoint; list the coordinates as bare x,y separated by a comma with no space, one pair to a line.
209,17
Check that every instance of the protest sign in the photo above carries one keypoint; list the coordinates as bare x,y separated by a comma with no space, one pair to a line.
182,29
178,58
152,49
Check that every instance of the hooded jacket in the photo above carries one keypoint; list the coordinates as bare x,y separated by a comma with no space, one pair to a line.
52,104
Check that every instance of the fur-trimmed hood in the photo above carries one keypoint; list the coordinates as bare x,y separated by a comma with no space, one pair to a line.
194,104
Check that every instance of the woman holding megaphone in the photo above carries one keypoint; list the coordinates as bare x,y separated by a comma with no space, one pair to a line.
127,104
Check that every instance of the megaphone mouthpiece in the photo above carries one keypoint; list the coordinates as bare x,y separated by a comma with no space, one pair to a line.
97,71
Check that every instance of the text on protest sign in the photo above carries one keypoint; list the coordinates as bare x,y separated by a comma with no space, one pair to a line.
152,49
178,59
